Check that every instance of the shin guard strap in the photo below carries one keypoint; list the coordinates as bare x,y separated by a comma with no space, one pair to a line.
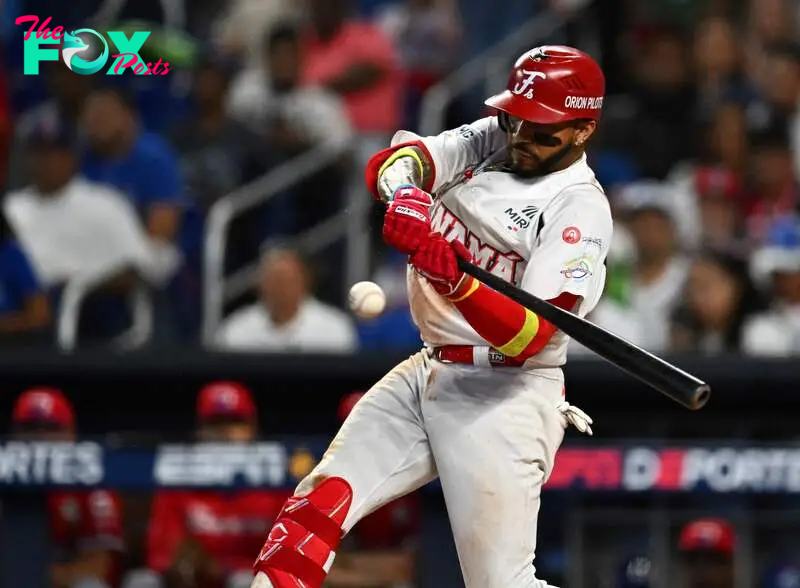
305,514
285,559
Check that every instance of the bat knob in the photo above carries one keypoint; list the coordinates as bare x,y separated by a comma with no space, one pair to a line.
701,396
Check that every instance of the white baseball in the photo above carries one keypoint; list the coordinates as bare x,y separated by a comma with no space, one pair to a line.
367,300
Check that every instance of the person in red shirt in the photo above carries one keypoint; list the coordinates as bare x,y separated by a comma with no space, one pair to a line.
357,61
86,527
206,539
380,551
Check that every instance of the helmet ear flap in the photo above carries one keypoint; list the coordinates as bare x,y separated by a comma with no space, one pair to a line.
502,120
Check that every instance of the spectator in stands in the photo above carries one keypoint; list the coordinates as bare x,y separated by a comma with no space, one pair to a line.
427,35
394,329
782,72
271,99
776,331
72,229
775,191
291,119
654,122
719,299
288,318
772,20
241,25
139,164
357,61
86,526
206,539
707,549
218,153
659,271
67,91
144,167
718,65
725,156
719,195
782,90
25,307
381,550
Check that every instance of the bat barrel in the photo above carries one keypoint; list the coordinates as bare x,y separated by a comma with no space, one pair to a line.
701,396
668,379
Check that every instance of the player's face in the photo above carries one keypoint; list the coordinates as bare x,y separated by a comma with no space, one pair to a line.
228,432
708,571
536,149
43,432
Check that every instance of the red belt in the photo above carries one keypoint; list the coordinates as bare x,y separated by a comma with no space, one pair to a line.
473,355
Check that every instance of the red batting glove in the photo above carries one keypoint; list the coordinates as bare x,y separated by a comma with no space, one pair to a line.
437,260
408,220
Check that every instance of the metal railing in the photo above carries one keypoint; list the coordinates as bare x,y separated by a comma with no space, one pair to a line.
491,65
73,297
217,290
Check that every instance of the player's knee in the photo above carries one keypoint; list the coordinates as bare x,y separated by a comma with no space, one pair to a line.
306,534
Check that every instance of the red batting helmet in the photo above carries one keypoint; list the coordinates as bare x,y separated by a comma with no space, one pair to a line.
553,84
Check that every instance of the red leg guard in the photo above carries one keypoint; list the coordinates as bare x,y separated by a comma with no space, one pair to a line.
306,532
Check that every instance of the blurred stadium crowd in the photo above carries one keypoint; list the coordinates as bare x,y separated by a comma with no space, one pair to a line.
110,183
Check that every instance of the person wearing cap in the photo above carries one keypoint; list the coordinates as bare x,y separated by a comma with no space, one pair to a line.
381,550
85,526
205,539
659,269
66,92
72,228
707,549
775,267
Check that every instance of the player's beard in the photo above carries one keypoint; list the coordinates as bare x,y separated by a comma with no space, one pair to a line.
538,167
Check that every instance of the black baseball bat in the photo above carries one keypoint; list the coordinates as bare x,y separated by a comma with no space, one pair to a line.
671,381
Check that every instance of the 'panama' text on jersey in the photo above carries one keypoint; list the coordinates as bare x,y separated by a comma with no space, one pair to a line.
501,264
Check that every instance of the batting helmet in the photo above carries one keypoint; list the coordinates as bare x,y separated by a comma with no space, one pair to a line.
553,84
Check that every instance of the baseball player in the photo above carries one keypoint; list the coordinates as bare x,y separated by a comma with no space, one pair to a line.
482,405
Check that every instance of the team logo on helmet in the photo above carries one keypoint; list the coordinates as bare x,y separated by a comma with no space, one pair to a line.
524,87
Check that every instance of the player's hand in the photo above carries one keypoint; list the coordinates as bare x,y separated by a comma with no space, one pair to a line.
408,220
437,260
